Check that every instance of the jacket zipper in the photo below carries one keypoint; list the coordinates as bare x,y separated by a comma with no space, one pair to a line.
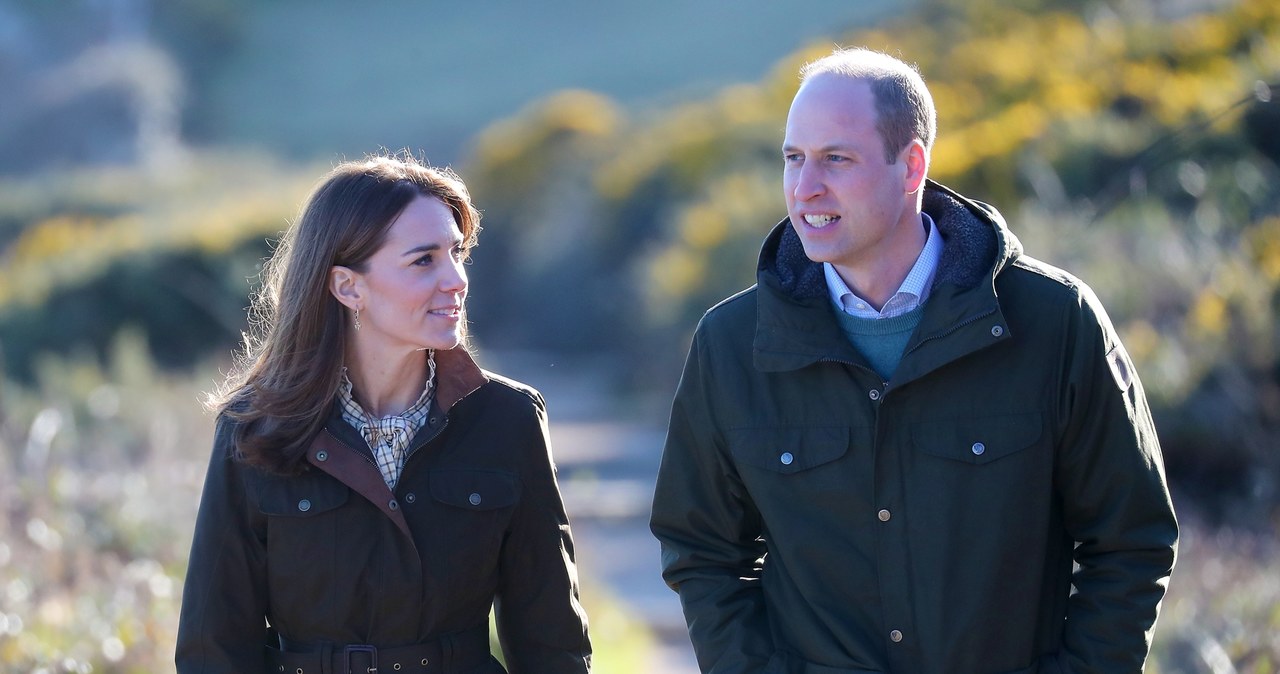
368,459
444,423
951,330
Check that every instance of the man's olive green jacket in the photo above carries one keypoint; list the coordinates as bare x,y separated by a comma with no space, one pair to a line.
816,519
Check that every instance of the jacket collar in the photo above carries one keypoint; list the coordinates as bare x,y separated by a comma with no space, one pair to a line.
795,327
334,450
457,376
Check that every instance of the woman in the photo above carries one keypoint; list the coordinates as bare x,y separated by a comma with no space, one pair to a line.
372,492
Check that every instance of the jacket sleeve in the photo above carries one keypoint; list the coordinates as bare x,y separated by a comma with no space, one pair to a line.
710,531
222,625
1116,504
541,624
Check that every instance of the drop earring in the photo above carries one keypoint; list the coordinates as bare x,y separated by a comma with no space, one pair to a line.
357,322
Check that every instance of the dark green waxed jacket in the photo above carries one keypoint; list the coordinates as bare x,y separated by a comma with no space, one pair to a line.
817,520
333,556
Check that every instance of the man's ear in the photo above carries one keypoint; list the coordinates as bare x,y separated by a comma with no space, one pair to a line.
344,285
916,158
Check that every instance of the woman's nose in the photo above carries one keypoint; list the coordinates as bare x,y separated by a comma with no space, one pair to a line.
455,280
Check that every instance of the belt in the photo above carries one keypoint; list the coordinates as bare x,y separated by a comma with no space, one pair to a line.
449,653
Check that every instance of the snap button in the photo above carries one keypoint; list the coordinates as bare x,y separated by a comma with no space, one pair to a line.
474,499
786,458
410,497
304,505
884,515
396,666
997,330
393,504
432,421
978,448
874,394
895,636
322,455
424,662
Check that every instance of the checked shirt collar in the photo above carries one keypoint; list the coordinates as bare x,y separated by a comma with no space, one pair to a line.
389,436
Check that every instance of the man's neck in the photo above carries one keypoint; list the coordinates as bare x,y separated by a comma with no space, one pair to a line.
877,279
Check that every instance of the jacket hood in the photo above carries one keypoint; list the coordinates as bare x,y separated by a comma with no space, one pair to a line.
977,244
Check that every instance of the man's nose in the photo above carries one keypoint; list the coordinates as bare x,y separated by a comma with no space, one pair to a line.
808,183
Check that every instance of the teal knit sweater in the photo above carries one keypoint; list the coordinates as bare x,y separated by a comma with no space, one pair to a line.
880,340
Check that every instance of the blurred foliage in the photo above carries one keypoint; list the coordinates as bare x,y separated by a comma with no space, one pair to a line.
537,188
87,253
1222,610
99,467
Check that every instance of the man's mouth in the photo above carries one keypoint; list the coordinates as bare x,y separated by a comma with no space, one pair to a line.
819,220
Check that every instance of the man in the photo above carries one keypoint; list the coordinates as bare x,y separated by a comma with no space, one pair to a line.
887,455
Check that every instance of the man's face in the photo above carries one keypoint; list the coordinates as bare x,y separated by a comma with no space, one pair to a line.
849,206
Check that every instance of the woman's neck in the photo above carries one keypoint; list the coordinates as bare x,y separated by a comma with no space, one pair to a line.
386,384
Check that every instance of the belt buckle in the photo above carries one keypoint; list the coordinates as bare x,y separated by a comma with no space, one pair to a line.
360,648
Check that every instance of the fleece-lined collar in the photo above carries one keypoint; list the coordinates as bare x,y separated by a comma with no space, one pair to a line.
976,243
795,326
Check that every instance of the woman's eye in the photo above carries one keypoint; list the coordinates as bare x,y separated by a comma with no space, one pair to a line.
423,261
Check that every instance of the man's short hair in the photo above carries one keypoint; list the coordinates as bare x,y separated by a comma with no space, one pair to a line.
904,107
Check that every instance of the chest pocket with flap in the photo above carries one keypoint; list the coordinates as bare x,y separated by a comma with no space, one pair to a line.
308,495
978,440
788,450
475,489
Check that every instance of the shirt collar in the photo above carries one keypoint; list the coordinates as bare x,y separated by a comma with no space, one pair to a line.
913,292
356,415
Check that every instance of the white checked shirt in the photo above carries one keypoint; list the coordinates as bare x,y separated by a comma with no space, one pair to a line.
389,436
911,294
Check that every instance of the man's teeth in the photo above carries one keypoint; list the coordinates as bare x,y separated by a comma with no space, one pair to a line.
820,220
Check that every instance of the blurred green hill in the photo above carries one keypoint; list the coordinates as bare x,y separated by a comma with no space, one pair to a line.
315,79
1129,143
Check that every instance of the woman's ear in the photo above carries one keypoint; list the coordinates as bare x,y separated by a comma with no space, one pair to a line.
344,285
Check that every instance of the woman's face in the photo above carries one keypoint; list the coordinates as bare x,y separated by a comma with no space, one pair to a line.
413,287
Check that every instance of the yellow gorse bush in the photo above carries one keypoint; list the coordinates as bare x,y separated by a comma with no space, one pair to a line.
214,207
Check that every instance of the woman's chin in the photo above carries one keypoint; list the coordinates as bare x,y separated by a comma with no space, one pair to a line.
444,342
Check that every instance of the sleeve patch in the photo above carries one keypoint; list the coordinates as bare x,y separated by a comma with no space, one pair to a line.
1121,370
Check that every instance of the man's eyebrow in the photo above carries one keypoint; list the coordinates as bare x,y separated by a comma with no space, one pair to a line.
838,147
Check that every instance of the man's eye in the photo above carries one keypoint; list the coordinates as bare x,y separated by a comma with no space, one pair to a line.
836,159
791,158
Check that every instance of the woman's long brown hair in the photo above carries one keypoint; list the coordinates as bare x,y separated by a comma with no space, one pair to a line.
283,385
